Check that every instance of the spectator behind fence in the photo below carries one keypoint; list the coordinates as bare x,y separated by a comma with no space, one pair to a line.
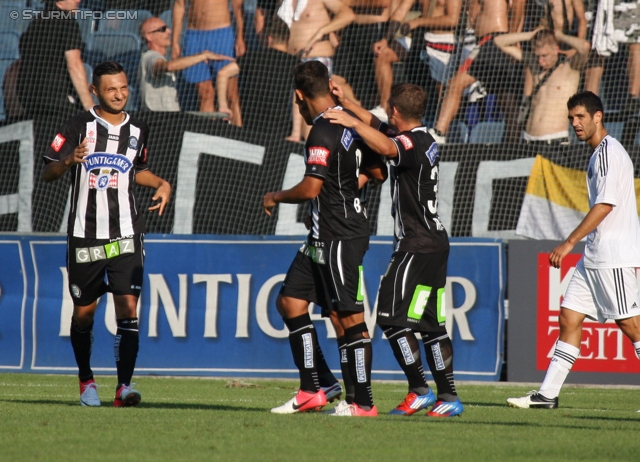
617,22
440,41
311,24
12,106
51,49
486,64
157,77
265,82
555,79
208,28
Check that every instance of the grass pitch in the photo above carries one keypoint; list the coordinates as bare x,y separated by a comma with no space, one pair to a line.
211,419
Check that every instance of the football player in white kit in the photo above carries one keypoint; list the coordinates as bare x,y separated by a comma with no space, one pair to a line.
603,285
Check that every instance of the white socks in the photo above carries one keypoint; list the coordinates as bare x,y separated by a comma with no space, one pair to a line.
563,358
636,345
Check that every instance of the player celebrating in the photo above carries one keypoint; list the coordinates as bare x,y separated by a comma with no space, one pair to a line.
327,270
604,284
411,296
106,151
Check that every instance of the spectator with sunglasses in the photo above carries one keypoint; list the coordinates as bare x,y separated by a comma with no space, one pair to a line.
158,90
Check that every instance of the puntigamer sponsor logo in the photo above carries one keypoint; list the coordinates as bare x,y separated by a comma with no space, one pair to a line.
104,159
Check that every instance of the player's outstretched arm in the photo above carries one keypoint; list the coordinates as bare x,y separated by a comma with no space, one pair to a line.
595,216
374,139
162,187
362,113
307,189
56,169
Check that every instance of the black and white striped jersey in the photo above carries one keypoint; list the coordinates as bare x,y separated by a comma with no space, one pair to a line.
414,186
333,153
103,199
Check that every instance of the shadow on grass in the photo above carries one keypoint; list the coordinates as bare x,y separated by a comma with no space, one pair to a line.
142,405
601,418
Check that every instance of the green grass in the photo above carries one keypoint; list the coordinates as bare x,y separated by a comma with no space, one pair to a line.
207,419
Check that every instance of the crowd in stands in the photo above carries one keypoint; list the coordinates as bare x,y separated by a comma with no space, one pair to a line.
487,64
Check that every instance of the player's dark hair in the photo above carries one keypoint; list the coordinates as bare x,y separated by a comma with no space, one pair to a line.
410,100
312,79
277,29
106,68
591,102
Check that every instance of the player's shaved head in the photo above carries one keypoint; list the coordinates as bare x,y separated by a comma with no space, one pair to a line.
106,68
312,79
410,100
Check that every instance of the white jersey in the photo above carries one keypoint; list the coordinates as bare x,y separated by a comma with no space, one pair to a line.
615,243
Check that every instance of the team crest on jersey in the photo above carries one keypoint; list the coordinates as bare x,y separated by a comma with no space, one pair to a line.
432,153
102,179
317,155
133,142
347,138
58,142
406,141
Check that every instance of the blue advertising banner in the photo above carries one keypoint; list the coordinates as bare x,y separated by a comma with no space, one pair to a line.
208,308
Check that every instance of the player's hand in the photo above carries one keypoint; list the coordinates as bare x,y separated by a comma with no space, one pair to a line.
558,254
268,202
175,51
79,153
240,47
379,46
337,91
337,116
162,193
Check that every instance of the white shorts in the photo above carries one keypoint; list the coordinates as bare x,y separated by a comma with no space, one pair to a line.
601,294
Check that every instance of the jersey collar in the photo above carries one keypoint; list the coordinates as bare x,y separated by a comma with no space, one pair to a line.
104,122
339,108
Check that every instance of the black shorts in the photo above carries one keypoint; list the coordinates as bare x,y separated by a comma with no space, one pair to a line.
492,67
90,260
412,291
329,274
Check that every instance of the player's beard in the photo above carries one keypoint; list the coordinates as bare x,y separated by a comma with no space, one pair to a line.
108,107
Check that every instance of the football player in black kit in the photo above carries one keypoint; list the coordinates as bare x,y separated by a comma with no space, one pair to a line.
105,151
411,295
327,270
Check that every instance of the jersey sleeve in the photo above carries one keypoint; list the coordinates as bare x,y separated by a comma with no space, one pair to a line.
317,151
63,144
142,157
406,146
608,175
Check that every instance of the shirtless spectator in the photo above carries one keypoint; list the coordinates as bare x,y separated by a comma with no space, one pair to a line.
440,18
486,64
353,56
157,77
265,84
311,23
208,28
555,79
567,16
